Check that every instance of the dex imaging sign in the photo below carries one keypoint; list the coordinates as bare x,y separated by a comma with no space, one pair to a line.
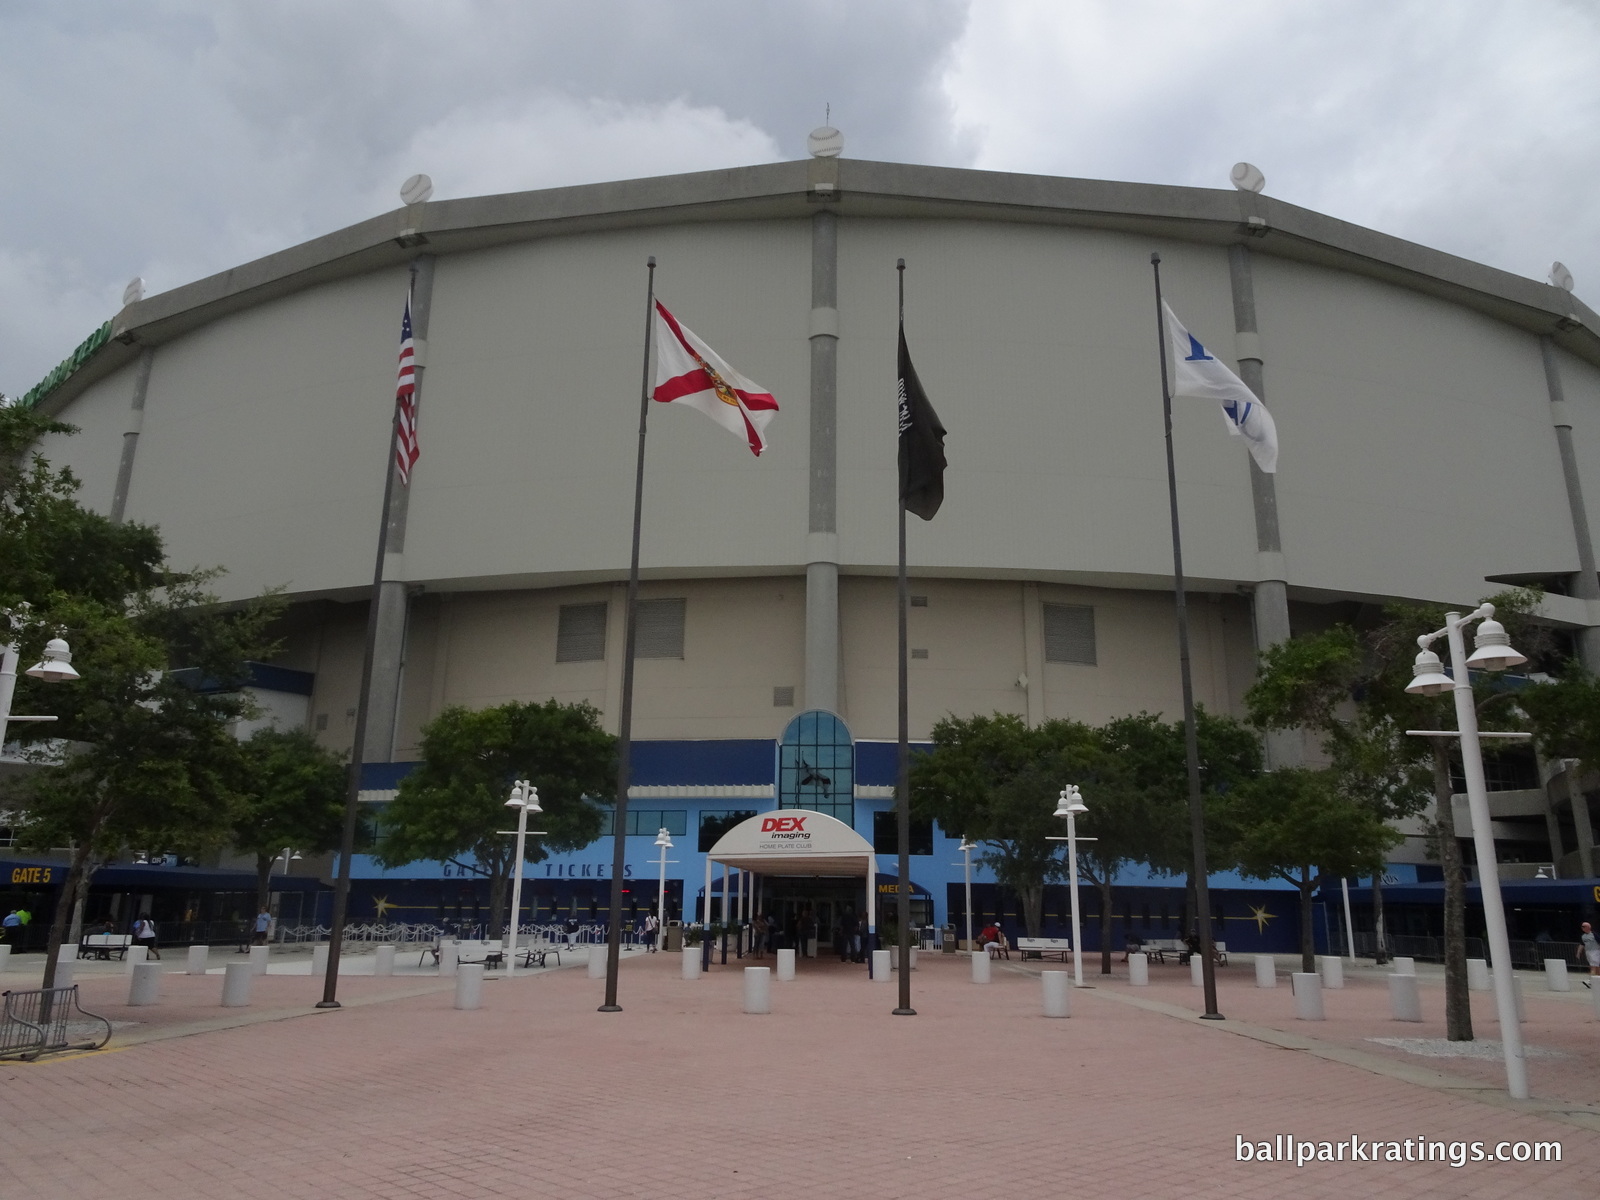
788,831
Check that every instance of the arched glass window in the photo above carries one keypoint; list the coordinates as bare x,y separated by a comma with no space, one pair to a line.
817,766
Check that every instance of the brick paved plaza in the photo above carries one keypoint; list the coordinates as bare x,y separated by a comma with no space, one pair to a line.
683,1095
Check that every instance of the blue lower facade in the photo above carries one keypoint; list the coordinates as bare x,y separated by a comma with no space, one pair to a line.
697,789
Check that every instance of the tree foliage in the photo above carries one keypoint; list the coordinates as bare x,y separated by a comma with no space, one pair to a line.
289,792
138,754
451,806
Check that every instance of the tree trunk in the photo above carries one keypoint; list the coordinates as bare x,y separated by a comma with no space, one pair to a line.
1308,940
498,901
1032,896
263,883
75,933
1457,1000
63,913
1105,926
1380,940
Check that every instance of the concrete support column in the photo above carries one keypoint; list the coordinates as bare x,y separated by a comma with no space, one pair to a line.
388,656
1283,747
130,438
1585,585
822,542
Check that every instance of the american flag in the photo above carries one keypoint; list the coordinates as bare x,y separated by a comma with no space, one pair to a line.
405,398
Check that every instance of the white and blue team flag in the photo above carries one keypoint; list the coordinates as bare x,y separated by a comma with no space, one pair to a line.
1200,375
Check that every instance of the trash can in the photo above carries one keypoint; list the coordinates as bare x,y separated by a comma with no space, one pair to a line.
948,942
674,937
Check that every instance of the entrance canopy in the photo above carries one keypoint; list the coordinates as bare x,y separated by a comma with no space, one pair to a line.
795,841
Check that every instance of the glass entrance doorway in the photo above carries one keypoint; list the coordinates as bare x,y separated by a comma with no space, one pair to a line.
813,916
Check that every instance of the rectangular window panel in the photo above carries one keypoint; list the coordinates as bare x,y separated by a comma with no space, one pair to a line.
885,834
581,633
1069,634
660,629
714,822
647,822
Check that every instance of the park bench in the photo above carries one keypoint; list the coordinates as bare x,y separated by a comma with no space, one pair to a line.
535,955
488,954
1043,947
1159,948
104,945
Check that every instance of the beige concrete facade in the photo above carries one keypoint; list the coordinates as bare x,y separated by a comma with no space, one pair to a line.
1418,454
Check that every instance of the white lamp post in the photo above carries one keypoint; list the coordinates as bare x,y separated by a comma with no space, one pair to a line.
1071,806
966,849
525,799
663,840
1492,652
289,855
55,667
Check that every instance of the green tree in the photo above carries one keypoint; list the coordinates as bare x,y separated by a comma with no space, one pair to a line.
136,755
1298,825
1150,756
1347,686
994,780
289,791
451,807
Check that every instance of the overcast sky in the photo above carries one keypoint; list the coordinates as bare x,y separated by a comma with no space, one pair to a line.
175,138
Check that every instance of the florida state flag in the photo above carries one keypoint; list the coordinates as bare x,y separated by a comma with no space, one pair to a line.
690,372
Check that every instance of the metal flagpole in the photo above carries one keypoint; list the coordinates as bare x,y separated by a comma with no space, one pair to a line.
619,827
1191,739
903,777
352,794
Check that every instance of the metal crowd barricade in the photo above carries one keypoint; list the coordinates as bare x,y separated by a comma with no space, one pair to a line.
44,1020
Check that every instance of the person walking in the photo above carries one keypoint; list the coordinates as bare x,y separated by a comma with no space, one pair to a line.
1589,947
652,931
12,926
263,926
144,934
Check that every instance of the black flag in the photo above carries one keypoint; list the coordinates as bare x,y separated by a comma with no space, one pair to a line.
921,443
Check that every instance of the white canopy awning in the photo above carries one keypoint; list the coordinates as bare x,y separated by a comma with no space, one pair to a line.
795,841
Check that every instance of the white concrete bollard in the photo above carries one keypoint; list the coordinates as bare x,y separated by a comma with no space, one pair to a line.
1478,975
980,967
258,960
1057,993
66,965
597,962
1404,1002
1139,969
1331,967
5,957
1307,988
236,984
134,956
691,963
1405,966
1266,971
1197,971
894,958
145,986
469,985
383,960
880,966
758,989
447,956
319,960
785,966
1555,975
197,959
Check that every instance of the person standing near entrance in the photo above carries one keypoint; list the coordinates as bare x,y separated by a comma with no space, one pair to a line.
263,926
13,929
144,934
1589,948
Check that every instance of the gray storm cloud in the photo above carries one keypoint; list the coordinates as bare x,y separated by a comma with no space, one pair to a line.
172,140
